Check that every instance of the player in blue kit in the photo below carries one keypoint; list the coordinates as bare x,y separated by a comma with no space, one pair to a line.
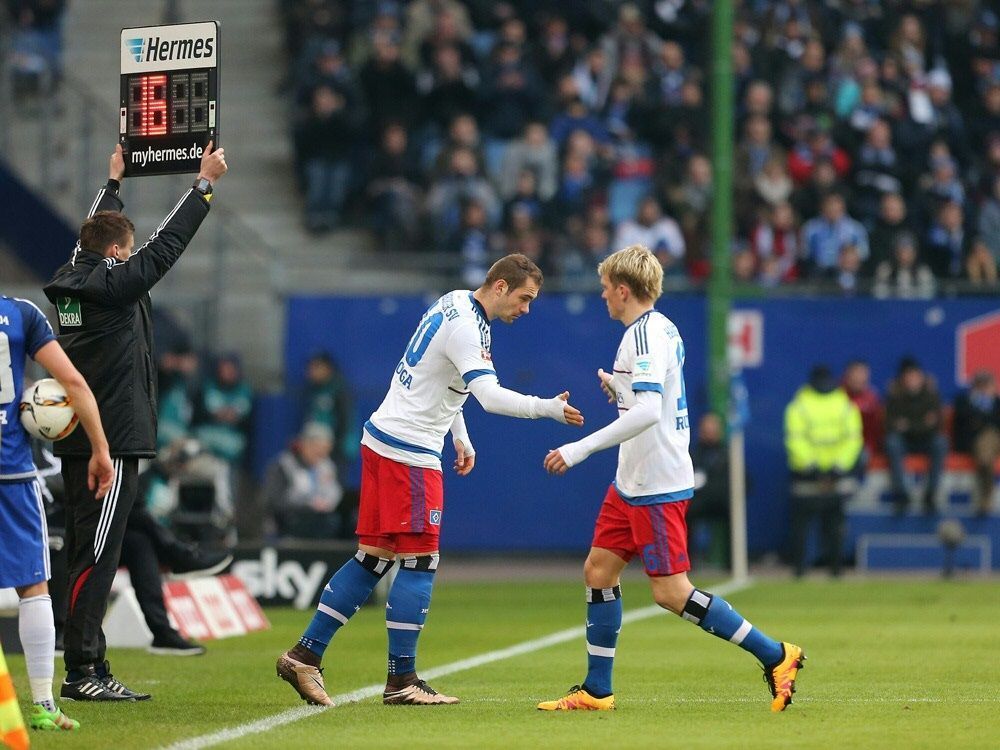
24,552
644,509
402,500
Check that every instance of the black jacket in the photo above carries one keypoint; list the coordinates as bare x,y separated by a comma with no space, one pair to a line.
105,325
969,421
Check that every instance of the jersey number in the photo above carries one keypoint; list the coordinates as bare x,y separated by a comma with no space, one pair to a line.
7,391
422,338
682,402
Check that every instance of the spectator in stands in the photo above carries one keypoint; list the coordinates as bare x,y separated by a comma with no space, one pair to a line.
755,150
389,89
825,237
904,277
775,244
301,489
947,242
592,77
462,134
988,227
856,382
976,432
323,142
394,190
631,37
327,68
224,414
813,146
891,223
913,423
849,264
422,20
771,187
471,243
553,55
179,388
578,260
808,198
659,233
981,265
463,183
36,45
877,172
511,93
449,87
327,399
575,116
823,437
710,507
536,152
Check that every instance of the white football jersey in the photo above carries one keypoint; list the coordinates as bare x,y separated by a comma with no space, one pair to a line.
654,466
450,349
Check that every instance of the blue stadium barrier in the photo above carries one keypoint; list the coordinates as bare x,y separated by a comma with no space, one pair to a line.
508,502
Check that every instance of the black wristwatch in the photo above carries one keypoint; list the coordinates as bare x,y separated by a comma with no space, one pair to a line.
203,186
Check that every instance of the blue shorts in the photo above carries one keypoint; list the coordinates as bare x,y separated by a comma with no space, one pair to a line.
24,536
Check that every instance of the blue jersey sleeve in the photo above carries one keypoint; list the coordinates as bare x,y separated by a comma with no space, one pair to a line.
37,330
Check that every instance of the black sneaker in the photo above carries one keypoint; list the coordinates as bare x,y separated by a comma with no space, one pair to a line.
198,563
171,643
117,687
90,687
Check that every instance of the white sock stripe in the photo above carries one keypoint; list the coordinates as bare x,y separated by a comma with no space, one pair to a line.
381,565
108,511
600,651
690,618
435,559
393,625
700,598
741,632
608,594
409,562
46,559
331,612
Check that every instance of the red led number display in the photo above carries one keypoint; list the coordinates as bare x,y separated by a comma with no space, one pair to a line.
147,105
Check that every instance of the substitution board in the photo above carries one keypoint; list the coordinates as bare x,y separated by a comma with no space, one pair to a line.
169,107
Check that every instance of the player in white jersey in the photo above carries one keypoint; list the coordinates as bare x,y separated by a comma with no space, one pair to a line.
402,502
644,509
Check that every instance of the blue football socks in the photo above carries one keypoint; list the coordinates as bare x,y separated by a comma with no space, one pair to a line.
406,610
604,622
349,588
715,615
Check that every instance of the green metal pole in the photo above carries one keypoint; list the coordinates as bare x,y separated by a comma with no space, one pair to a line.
720,282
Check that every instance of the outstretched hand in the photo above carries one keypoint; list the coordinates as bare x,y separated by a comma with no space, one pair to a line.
571,414
554,463
213,164
605,378
116,164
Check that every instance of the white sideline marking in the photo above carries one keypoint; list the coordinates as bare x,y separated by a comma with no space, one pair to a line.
527,647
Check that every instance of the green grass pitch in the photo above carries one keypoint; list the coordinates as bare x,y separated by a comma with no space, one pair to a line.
892,664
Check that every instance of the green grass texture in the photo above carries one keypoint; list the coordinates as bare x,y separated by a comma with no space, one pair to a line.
891,664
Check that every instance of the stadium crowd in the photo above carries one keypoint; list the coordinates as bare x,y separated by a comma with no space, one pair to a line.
867,134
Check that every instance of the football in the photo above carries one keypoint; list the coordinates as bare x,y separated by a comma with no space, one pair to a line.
46,411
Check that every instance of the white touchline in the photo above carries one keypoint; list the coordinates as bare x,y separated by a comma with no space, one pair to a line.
287,717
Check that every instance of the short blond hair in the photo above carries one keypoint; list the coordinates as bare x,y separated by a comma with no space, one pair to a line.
637,268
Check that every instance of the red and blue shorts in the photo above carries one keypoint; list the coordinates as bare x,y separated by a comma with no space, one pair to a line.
401,506
657,533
